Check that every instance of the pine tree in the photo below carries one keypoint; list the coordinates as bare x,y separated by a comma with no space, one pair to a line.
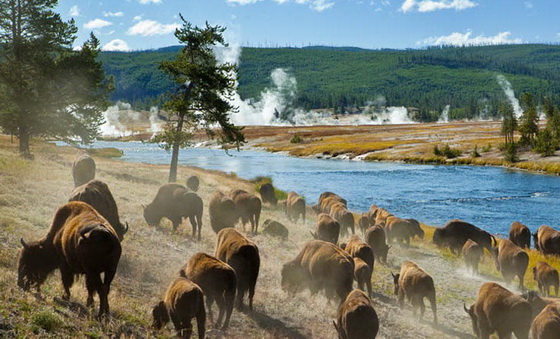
529,124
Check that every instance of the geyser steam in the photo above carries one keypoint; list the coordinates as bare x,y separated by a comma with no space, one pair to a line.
508,91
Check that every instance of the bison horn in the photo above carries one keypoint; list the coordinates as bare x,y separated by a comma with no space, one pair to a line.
466,309
143,206
125,228
393,275
23,243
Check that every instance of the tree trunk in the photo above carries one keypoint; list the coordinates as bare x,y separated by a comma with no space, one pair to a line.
24,138
175,151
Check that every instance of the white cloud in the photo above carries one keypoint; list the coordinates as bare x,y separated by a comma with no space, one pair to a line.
137,18
435,5
116,45
74,11
151,27
113,14
465,39
528,4
97,23
242,2
145,2
316,5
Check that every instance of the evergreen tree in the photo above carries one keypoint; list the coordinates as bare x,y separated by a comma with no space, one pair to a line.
529,124
509,122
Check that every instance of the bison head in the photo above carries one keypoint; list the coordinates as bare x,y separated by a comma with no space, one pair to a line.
383,251
160,315
292,277
35,263
438,237
474,318
151,216
396,282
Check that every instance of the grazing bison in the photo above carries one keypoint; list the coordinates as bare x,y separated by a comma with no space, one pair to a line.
222,212
362,274
363,223
375,238
326,229
242,255
344,217
546,324
357,248
520,235
192,183
472,252
97,194
402,229
248,208
267,194
456,232
546,276
80,241
295,206
216,279
183,301
498,310
175,202
415,284
512,261
547,240
275,229
83,168
356,318
320,265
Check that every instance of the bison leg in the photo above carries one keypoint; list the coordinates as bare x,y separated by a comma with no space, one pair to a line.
239,296
67,279
201,323
209,301
368,284
227,303
506,335
432,299
199,224
193,225
94,284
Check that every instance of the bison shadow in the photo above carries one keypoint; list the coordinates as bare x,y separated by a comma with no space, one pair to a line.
275,326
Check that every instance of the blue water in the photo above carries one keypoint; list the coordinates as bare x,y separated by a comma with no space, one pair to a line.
491,198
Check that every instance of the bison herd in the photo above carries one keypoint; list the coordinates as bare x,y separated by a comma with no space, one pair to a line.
86,233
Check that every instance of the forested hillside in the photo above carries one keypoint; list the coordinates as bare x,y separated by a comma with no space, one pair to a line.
343,78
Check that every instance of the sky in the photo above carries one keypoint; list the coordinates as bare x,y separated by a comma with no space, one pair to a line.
128,25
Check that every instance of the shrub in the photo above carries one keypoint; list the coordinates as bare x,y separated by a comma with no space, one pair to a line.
474,152
296,139
510,152
437,151
47,321
447,152
487,148
545,144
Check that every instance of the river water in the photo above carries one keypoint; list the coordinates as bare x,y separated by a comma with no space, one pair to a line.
489,197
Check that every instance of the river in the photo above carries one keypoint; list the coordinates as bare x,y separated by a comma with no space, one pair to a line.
489,197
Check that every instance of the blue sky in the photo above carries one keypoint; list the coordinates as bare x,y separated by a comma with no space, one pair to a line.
147,24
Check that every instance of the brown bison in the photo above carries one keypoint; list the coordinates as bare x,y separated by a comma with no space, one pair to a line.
456,232
402,229
80,241
324,206
415,284
295,206
362,274
472,252
193,182
363,223
320,265
275,229
222,212
498,310
546,276
267,194
97,194
326,229
358,248
547,240
248,208
381,216
512,261
520,235
546,324
344,217
83,168
183,301
537,302
217,280
242,255
332,195
356,318
175,202
375,238
372,214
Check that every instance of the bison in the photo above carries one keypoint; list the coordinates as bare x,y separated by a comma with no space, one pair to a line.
295,206
356,318
546,276
248,208
326,229
175,202
357,248
456,232
546,324
344,217
362,274
335,196
381,216
275,229
320,265
83,168
242,255
216,279
547,240
222,212
375,238
498,310
97,194
267,194
537,302
79,241
193,182
415,284
402,229
363,223
472,252
512,261
183,301
520,235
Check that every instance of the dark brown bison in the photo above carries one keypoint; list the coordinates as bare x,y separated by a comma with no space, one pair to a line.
358,248
97,194
217,280
242,255
248,208
547,240
456,232
267,194
520,235
295,206
498,310
222,212
275,229
80,241
320,265
193,182
344,217
83,168
402,229
546,276
326,229
472,252
415,284
362,274
175,202
512,261
375,238
546,324
363,223
356,318
182,302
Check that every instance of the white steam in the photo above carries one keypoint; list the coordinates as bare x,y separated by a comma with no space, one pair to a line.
444,117
121,120
508,91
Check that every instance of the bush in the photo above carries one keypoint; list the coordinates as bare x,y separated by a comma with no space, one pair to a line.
437,151
474,152
487,148
447,152
296,139
545,144
47,321
510,152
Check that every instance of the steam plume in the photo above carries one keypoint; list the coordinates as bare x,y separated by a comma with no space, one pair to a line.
508,91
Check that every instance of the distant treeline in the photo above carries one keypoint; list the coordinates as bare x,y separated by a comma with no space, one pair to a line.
348,79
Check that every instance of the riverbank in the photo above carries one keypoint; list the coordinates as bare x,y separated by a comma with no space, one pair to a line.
32,190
